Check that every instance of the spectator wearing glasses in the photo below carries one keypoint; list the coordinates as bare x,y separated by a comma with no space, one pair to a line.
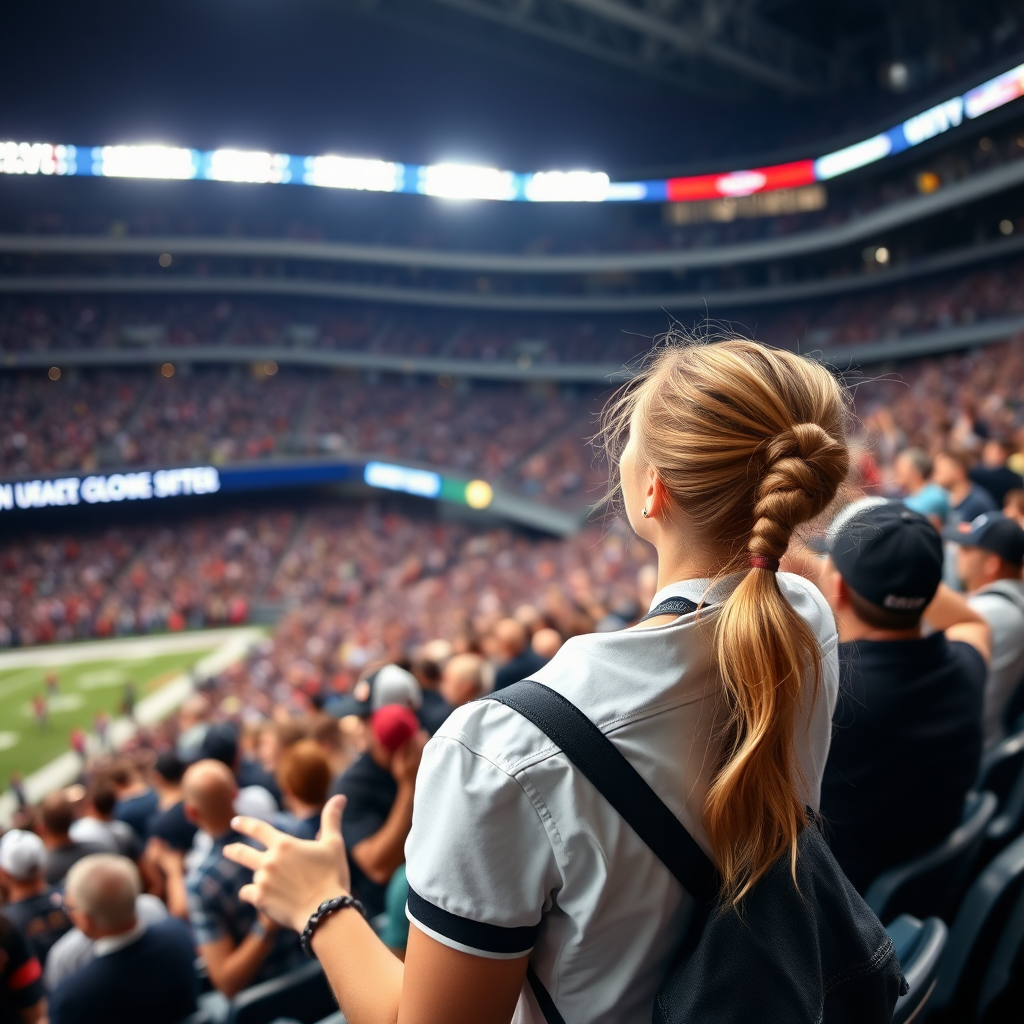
907,742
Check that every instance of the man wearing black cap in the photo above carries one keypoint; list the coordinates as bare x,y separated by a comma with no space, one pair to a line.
907,743
989,561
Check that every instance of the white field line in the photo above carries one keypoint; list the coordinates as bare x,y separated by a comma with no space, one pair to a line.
64,769
128,648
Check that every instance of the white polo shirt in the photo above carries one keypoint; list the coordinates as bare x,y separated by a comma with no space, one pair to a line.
512,850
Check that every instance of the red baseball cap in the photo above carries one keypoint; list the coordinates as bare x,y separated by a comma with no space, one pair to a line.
393,725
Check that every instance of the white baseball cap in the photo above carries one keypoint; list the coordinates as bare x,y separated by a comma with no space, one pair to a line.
22,854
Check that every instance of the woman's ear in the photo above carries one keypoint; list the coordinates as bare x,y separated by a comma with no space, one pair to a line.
656,495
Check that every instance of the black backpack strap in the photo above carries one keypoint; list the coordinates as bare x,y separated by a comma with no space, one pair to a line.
617,780
672,606
625,789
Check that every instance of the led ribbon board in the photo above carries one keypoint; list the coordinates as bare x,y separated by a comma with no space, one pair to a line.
461,181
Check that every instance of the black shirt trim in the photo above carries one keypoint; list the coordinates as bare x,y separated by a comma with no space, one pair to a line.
488,938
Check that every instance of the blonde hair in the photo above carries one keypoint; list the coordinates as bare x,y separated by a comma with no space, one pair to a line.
749,442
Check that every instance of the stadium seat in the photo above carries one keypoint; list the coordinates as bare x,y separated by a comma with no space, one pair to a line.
1001,767
919,946
990,909
302,995
930,885
1008,823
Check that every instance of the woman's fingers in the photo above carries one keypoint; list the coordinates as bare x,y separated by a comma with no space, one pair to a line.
245,855
248,893
330,818
256,829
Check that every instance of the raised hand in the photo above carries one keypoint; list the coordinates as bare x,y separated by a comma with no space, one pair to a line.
292,877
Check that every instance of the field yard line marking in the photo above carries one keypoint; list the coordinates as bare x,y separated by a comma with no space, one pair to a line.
117,650
64,769
18,682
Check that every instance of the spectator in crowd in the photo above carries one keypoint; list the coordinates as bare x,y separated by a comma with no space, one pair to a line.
33,907
55,820
379,787
22,998
546,643
72,951
136,973
518,659
98,824
390,684
952,472
275,737
395,934
326,730
221,744
907,743
194,720
136,798
725,449
911,470
463,679
434,709
989,561
993,473
168,822
305,781
1013,506
238,946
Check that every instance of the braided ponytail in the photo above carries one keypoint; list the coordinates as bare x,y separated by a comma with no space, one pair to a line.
749,443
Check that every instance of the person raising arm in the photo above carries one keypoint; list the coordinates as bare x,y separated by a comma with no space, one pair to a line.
722,700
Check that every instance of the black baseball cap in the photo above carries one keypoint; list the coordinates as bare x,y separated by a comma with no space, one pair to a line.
991,531
890,556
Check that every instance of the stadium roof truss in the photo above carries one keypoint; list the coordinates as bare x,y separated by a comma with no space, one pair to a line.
709,46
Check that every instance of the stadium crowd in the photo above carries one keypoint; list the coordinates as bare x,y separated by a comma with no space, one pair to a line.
391,621
880,313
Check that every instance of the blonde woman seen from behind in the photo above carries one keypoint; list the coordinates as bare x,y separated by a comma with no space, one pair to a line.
514,859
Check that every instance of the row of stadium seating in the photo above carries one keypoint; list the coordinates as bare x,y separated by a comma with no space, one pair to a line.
63,324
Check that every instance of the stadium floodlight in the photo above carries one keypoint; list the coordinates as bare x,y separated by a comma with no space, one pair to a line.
849,159
351,172
144,162
461,181
464,181
422,482
567,187
256,167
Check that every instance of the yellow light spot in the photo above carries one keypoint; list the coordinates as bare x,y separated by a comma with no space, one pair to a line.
53,373
479,494
167,369
166,259
270,367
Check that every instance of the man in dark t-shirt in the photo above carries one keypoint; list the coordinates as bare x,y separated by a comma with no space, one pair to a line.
378,815
908,735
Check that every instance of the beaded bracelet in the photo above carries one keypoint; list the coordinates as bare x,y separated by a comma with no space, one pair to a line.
324,910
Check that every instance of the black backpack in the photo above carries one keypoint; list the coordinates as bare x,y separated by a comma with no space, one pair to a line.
813,956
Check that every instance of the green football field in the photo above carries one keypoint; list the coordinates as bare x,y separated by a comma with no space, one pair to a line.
83,689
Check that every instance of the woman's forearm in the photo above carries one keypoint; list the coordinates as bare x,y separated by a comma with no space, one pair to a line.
365,975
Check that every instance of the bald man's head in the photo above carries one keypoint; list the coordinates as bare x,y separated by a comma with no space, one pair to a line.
512,637
209,790
463,679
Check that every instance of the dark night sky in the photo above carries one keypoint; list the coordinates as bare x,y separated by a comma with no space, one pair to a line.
308,76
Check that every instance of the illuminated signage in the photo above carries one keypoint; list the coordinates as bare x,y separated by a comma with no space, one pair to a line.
465,181
100,490
401,478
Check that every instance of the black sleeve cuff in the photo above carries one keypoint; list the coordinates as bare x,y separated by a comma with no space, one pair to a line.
488,938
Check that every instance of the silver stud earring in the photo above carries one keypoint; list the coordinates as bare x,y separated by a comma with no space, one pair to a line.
646,514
